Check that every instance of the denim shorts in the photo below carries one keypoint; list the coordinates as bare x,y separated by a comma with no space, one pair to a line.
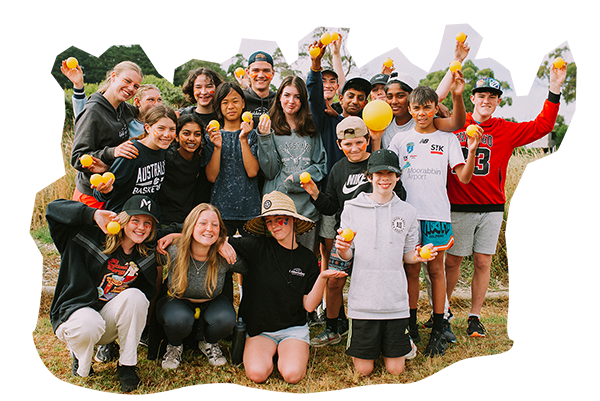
295,332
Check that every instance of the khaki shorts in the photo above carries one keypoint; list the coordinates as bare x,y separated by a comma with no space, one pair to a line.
475,232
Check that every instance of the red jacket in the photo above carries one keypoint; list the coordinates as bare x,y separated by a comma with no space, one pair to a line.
485,192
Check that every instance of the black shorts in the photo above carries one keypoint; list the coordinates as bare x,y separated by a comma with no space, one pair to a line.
368,339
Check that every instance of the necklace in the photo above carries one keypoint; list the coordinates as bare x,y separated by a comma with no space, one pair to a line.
196,266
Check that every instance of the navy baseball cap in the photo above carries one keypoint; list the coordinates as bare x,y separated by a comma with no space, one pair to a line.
260,56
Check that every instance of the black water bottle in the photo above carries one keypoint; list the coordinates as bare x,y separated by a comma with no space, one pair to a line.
238,342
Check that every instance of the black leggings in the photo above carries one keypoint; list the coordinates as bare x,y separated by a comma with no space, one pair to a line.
217,319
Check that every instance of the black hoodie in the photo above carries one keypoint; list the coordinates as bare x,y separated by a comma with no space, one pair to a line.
99,129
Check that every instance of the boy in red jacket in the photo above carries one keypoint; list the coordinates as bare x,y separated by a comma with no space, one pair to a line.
478,207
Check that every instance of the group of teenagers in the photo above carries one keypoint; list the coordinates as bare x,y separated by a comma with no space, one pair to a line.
199,202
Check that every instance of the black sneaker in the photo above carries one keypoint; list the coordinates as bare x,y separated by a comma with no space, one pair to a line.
107,353
475,328
128,377
437,344
75,366
448,332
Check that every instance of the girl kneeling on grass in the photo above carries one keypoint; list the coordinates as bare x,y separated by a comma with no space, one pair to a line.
105,280
281,284
194,302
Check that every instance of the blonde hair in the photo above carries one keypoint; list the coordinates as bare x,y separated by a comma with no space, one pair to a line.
119,68
180,266
114,241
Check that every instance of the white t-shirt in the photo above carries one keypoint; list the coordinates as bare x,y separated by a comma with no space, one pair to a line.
392,129
424,159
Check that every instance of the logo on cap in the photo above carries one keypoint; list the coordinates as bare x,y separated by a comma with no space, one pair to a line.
146,202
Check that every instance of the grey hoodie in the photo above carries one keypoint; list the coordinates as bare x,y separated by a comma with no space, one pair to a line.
384,233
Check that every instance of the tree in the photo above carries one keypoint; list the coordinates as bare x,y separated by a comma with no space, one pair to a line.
182,72
347,61
471,74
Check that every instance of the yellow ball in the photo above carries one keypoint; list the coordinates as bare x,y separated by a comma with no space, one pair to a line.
455,65
377,115
425,252
471,130
335,36
213,124
461,36
247,116
113,227
304,177
347,234
264,117
388,62
96,179
86,160
559,62
314,51
197,314
72,62
239,72
107,176
326,38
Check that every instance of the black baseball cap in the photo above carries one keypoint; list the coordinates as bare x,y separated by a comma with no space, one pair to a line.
358,83
383,159
141,204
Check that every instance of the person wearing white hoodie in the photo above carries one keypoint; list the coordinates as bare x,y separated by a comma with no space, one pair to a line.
387,238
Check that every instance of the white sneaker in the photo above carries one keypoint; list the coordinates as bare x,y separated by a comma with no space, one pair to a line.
213,353
413,351
172,357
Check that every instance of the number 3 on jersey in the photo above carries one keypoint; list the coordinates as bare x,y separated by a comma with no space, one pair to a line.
482,160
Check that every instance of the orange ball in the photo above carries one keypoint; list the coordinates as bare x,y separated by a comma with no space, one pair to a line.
213,124
471,130
388,62
326,38
425,252
461,36
72,62
335,36
304,177
455,66
86,160
264,117
239,72
106,177
559,62
113,227
347,234
247,116
314,51
96,179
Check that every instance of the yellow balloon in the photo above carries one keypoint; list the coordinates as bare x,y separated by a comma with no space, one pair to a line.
455,65
377,115
86,160
107,176
96,179
304,177
326,38
247,116
113,227
72,62
347,234
559,62
471,130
